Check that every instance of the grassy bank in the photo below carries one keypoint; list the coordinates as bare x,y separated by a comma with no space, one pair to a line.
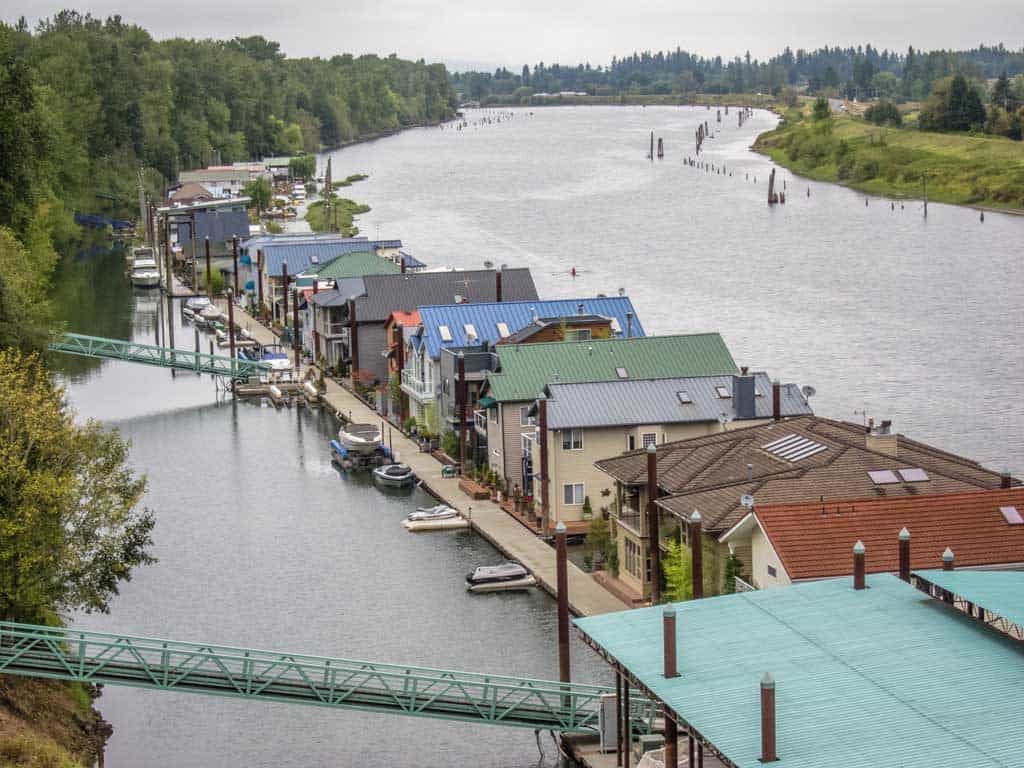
983,171
343,217
48,724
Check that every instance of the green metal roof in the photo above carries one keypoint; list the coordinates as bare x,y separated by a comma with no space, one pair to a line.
358,264
884,676
1000,592
527,368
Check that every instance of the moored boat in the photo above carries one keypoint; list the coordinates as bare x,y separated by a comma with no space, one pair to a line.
145,273
444,524
439,512
361,439
394,475
498,578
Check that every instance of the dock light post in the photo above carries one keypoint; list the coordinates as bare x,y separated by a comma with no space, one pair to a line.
460,409
858,565
653,539
234,261
284,293
296,339
696,555
947,559
562,583
259,280
905,555
768,751
668,624
542,425
209,273
231,331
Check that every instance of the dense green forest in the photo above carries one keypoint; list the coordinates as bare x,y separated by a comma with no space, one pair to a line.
87,102
862,71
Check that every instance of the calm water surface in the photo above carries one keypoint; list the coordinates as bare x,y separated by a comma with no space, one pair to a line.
262,542
919,321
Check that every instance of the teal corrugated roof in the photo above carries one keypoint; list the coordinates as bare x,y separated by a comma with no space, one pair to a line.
527,368
879,677
358,264
1001,592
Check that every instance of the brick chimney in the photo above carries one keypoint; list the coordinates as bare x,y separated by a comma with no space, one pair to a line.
881,439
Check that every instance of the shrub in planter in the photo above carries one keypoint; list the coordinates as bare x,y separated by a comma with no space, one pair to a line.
409,425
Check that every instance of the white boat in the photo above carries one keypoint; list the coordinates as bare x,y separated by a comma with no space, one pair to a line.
500,578
440,512
394,475
145,273
194,305
210,313
360,438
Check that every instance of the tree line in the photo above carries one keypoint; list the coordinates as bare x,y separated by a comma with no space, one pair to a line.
850,71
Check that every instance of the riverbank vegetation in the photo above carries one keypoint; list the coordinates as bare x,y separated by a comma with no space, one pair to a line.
853,72
962,168
339,215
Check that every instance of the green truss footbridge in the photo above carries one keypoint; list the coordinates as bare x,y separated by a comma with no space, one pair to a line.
164,357
96,657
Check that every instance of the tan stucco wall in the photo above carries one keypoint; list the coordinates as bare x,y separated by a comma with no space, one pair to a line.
763,555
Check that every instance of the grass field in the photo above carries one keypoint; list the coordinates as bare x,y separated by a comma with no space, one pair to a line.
983,171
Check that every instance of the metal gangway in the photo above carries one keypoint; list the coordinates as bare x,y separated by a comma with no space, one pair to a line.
167,665
164,357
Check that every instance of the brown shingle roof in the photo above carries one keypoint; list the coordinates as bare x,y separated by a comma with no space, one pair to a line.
815,540
711,473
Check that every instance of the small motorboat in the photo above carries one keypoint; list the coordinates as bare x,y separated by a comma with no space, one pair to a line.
273,355
440,512
362,439
210,313
499,578
145,273
394,475
195,304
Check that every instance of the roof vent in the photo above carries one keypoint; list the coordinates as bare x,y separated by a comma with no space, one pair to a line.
793,447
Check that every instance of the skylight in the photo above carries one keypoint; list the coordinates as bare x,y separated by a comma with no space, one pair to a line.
1012,516
470,331
883,477
684,397
913,475
446,334
503,330
793,447
723,392
621,373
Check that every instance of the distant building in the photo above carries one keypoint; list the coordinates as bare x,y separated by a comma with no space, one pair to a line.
223,180
219,221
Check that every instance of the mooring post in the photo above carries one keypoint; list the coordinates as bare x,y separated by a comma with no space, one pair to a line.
460,409
653,538
696,537
284,294
618,716
259,281
209,273
296,338
627,724
904,539
562,583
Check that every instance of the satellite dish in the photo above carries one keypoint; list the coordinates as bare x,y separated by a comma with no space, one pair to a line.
808,391
747,500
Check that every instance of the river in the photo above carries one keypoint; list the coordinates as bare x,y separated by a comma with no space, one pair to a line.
261,542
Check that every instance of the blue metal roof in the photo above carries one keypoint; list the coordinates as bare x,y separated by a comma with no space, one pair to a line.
884,676
1000,592
300,255
485,316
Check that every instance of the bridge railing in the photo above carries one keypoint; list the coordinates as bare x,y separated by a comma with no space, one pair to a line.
344,683
150,354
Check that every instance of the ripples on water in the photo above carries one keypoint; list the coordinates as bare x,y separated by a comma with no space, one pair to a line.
262,542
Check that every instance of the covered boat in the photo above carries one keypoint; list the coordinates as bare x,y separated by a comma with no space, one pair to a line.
360,438
440,512
145,273
394,475
195,304
498,578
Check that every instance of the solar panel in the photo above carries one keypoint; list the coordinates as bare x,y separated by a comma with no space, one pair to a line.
503,330
1012,516
684,397
621,373
913,475
883,477
793,447
446,334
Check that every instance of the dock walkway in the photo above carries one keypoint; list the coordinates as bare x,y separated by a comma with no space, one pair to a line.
586,596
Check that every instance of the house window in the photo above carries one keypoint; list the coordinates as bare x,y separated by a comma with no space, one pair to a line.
650,438
493,415
572,440
527,444
572,493
633,557
771,570
578,334
525,420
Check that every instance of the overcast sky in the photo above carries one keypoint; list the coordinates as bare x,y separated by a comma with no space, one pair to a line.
472,33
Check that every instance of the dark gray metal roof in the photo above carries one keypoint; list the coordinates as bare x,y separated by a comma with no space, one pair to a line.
656,401
405,292
339,295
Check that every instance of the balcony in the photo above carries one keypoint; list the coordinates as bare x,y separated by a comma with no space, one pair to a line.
480,422
416,387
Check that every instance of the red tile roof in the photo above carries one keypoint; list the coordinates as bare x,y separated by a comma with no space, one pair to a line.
404,319
815,540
